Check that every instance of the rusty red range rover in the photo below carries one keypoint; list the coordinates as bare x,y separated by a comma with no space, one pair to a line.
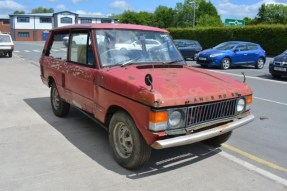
133,81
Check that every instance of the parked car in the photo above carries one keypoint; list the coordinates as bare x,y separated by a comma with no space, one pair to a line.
278,65
188,48
233,53
6,45
128,45
144,98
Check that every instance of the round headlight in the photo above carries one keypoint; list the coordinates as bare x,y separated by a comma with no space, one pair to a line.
175,119
240,105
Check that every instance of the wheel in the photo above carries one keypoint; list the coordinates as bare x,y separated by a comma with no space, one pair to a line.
59,106
10,54
129,148
275,76
217,141
225,63
260,63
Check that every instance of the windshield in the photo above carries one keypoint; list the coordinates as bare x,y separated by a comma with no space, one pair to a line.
121,47
5,38
226,46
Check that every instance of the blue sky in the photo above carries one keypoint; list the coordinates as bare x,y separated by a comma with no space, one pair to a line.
226,8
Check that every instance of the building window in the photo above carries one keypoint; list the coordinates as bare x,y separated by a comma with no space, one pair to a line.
45,20
106,20
23,34
23,19
6,22
86,20
66,20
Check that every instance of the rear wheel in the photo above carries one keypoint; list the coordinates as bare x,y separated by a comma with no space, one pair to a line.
225,63
260,63
129,148
10,54
59,106
217,141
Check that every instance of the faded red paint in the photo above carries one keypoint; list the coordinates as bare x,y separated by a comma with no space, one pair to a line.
95,90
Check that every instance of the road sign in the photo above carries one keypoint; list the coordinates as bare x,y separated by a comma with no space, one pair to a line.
234,22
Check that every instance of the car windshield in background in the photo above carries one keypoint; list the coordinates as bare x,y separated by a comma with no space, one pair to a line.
225,46
5,38
121,47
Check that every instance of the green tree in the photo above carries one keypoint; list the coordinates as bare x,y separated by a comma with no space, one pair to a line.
19,12
164,17
272,14
141,18
42,10
209,21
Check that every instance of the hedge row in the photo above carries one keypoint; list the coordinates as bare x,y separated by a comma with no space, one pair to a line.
272,38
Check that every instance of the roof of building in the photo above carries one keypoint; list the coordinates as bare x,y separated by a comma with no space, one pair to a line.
4,16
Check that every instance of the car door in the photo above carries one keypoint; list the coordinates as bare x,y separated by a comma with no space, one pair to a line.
240,54
253,53
80,70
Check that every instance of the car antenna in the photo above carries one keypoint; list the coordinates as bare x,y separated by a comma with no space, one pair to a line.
148,81
244,78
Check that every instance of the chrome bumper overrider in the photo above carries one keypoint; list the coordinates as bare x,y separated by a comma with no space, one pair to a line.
202,135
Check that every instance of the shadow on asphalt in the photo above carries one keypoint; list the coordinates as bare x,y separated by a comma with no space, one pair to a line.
92,140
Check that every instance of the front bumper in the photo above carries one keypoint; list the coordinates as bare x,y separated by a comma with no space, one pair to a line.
202,135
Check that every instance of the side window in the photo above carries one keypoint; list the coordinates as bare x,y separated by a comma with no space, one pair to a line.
81,50
58,48
242,48
252,47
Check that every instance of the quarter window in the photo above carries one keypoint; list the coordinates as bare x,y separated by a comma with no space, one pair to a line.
58,49
252,47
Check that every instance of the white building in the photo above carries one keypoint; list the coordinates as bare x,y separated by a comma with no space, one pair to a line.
35,27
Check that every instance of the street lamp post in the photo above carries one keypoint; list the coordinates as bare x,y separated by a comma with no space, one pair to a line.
193,4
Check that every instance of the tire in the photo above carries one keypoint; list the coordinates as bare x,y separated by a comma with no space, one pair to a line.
129,148
225,63
59,106
275,76
204,66
217,141
10,54
260,63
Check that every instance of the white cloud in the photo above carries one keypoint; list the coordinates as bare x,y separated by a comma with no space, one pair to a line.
61,7
9,6
229,10
52,1
81,12
120,5
76,1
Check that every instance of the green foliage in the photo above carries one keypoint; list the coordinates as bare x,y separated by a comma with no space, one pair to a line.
209,20
19,12
140,18
272,38
272,14
42,10
164,17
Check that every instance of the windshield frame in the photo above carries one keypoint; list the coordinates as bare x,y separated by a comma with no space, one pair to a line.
150,41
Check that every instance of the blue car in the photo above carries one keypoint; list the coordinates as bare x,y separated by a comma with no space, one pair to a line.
232,53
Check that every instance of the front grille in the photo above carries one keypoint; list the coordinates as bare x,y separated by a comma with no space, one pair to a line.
280,63
203,113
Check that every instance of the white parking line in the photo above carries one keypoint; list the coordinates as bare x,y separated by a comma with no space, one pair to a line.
251,77
16,51
271,101
27,51
36,50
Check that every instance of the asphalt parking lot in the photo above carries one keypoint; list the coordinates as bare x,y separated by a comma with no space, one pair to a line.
42,152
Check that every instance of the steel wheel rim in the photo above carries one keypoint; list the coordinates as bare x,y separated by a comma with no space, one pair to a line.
260,63
123,140
225,63
55,98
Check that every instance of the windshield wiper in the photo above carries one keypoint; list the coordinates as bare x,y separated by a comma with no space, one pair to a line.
174,61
